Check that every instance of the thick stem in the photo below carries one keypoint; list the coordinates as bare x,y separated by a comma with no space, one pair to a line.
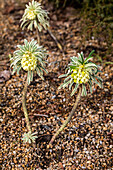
24,106
68,119
38,36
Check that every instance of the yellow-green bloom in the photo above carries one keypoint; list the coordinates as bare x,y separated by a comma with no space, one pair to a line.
31,15
35,16
81,72
30,57
29,61
80,75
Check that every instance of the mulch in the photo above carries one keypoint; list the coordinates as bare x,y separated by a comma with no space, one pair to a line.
86,142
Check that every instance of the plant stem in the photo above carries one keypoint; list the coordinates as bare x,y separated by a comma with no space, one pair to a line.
69,117
38,36
24,106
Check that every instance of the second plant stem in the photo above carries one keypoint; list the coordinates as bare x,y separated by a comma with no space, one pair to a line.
24,106
68,119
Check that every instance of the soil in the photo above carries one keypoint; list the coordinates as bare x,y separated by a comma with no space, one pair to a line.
86,142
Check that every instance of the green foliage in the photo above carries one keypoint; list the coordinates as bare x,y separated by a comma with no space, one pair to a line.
35,16
30,57
98,20
81,71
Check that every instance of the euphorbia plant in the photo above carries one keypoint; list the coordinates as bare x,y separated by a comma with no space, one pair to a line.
31,58
36,17
81,72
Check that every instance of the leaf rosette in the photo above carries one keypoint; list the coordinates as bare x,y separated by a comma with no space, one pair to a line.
29,137
81,71
30,57
35,16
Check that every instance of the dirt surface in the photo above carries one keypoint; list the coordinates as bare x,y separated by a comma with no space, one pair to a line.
86,142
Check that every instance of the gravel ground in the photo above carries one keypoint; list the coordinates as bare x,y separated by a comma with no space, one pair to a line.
86,142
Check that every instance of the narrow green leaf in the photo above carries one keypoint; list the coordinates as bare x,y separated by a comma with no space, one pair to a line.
98,83
18,69
63,75
71,85
15,61
31,76
75,60
99,78
75,89
89,57
66,84
28,76
90,64
84,92
44,69
14,69
40,72
82,57
61,85
67,78
73,67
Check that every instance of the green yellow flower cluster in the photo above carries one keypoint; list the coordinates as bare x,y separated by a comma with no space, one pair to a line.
29,61
31,15
80,75
30,57
81,71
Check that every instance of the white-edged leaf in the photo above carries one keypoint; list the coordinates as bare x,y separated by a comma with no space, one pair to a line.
98,83
71,85
89,57
75,89
63,75
99,78
75,60
61,85
90,64
84,92
18,69
44,69
40,72
28,77
66,84
67,78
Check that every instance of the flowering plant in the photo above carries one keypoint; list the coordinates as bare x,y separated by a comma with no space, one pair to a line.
29,137
35,16
81,71
30,57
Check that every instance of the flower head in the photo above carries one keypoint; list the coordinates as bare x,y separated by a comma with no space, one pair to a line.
81,71
29,61
35,16
30,57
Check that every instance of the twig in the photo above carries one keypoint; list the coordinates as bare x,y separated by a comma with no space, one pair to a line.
24,106
40,115
38,36
68,119
55,39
